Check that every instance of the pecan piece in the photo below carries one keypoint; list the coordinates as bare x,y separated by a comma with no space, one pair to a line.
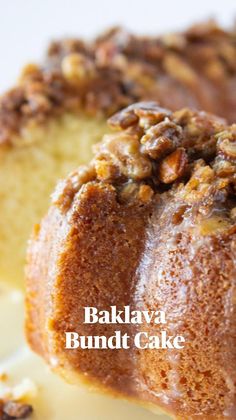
106,170
233,214
145,193
148,112
161,139
16,410
174,41
180,70
223,168
77,67
132,191
128,192
29,72
123,151
227,148
123,119
173,166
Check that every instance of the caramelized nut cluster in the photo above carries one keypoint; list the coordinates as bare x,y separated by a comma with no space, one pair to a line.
77,67
153,151
10,410
194,68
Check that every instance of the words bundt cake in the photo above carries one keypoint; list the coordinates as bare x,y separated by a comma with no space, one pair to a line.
49,121
149,224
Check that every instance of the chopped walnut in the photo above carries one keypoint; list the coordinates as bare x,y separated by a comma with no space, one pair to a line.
215,70
10,410
29,72
133,192
227,146
173,166
145,193
233,214
117,69
224,168
124,151
202,183
145,159
106,170
174,41
76,67
161,139
146,113
128,192
180,69
165,151
36,102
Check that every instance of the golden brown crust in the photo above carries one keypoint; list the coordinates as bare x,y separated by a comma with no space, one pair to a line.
195,68
149,223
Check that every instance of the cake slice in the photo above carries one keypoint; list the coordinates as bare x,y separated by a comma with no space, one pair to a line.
149,224
58,109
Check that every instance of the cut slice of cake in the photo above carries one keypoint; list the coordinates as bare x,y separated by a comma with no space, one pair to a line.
50,119
150,224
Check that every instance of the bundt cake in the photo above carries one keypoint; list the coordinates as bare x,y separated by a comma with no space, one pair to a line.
149,224
49,121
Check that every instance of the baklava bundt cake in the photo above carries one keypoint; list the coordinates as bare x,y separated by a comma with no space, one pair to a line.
149,223
49,121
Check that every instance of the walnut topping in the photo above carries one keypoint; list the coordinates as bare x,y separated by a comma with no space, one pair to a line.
117,69
174,41
76,67
227,144
106,170
145,193
124,151
179,69
223,168
29,72
173,166
146,113
161,139
128,192
228,148
131,192
10,410
183,151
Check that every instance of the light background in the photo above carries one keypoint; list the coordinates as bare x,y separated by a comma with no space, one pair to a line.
26,26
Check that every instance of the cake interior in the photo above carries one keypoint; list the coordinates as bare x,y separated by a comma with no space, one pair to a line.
29,170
